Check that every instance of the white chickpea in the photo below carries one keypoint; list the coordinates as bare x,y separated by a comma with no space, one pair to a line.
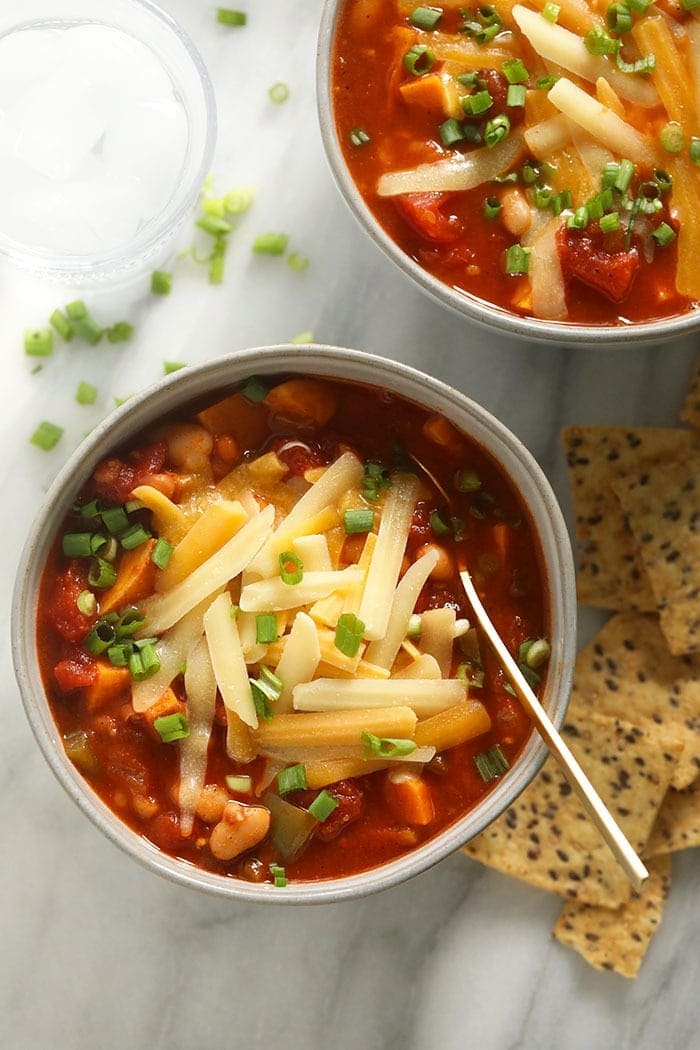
515,212
444,567
189,446
212,801
240,828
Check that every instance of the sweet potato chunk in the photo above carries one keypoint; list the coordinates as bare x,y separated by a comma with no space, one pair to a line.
135,579
238,417
304,401
108,684
409,798
169,704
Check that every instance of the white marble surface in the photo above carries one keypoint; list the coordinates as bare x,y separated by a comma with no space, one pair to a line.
95,952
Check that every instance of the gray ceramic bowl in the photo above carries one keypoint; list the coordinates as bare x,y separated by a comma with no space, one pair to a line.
469,306
215,378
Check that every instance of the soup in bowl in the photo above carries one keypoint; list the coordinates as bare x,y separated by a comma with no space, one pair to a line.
241,635
534,165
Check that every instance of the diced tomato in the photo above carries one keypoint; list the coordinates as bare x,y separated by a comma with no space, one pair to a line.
75,672
586,257
115,478
164,830
424,212
62,611
298,455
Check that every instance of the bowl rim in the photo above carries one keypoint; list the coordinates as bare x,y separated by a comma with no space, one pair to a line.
120,261
467,305
211,378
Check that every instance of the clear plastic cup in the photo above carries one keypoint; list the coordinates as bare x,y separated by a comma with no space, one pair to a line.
172,55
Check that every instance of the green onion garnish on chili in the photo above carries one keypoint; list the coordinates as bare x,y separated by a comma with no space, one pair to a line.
386,747
491,764
77,310
265,628
293,778
451,131
418,60
496,130
359,137
162,552
279,876
173,366
348,634
77,545
255,389
425,17
323,805
664,234
491,207
279,92
550,12
101,637
478,103
517,260
671,137
121,332
101,574
358,521
171,728
514,71
291,568
86,603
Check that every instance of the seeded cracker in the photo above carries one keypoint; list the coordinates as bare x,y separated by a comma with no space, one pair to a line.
611,573
690,412
617,938
662,504
628,672
678,823
547,840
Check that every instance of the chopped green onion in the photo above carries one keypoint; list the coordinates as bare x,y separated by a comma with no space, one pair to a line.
545,83
171,727
468,79
438,524
217,260
358,137
374,480
695,150
451,131
35,371
121,332
265,628
213,225
514,71
671,137
240,784
89,330
77,545
279,875
386,747
610,223
503,180
255,389
161,282
478,103
645,64
101,637
86,394
348,634
496,130
664,234
517,259
118,655
688,5
618,18
302,338
471,134
560,201
550,11
491,763
102,574
542,197
62,325
598,42
214,206
279,92
296,261
226,16
115,519
173,366
579,219
270,244
88,510
534,652
323,805
46,436
86,603
150,661
624,175
134,536
414,626
162,552
263,707
130,621
99,544
239,200
77,311
492,207
641,6
38,342
663,180
291,568
425,17
419,60
517,93
293,778
358,521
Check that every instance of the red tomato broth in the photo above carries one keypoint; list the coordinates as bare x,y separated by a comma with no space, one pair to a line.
139,774
463,249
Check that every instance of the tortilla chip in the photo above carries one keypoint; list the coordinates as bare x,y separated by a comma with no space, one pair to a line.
678,823
611,573
662,505
547,840
617,939
690,412
628,672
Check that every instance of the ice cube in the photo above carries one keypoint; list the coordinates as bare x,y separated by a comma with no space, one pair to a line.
25,57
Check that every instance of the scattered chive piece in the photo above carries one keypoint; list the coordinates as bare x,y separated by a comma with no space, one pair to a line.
618,18
302,338
62,325
492,207
226,16
358,137
77,544
374,480
414,626
86,603
35,371
517,259
86,394
270,244
101,638
438,524
348,634
293,778
46,436
386,747
161,553
419,60
296,261
514,71
279,876
89,330
217,260
559,201
534,652
671,137
171,727
357,521
491,763
467,481
291,568
451,131
279,92
255,389
550,11
263,707
579,219
101,574
119,401
695,150
173,366
599,42
239,200
664,234
161,282
115,519
38,342
468,79
624,175
121,332
496,130
610,223
265,628
240,784
425,17
134,536
323,805
213,225
214,206
478,103
545,83
542,197
516,96
688,5
645,64
77,311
